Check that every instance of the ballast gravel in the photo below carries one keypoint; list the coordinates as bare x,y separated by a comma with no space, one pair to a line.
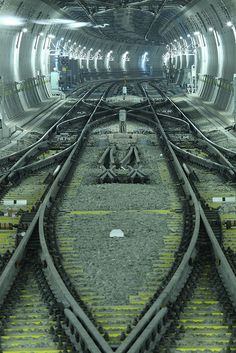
88,211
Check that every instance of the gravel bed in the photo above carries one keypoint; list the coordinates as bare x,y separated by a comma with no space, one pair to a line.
212,185
120,197
18,145
213,128
118,267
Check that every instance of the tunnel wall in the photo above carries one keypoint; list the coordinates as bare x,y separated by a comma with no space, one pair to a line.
205,34
25,56
200,36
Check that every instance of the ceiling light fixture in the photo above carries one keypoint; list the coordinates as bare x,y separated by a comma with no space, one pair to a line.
79,24
52,21
11,21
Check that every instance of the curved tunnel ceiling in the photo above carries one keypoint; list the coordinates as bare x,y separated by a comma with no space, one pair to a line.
136,22
121,36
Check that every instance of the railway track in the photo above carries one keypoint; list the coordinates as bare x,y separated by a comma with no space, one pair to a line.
30,321
205,321
186,302
25,182
115,307
41,323
19,158
203,317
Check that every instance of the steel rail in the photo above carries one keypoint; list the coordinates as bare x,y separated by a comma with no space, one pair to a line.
154,323
223,149
52,159
147,326
215,148
13,266
223,267
177,120
207,163
27,151
55,281
148,333
11,269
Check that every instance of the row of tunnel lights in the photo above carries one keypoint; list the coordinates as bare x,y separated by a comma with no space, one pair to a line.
52,36
14,21
177,47
210,29
71,49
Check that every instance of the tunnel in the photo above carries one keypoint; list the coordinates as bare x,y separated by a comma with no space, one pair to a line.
191,43
117,176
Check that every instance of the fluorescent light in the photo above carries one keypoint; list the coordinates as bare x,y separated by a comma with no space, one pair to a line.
41,34
53,21
79,24
211,29
11,21
229,24
51,36
24,30
196,33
